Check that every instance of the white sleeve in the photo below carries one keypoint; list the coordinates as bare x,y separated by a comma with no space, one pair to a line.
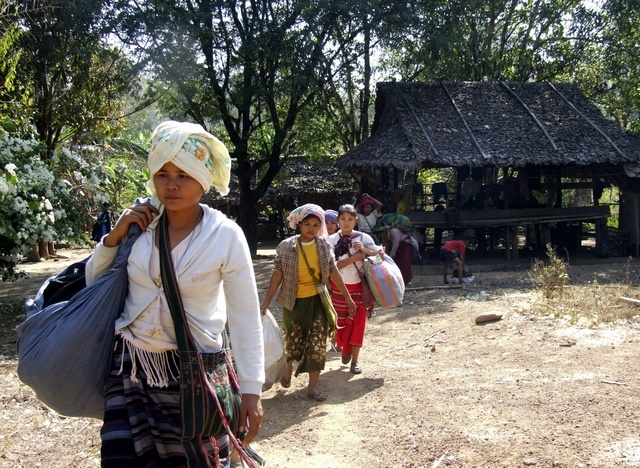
100,261
333,240
368,242
243,313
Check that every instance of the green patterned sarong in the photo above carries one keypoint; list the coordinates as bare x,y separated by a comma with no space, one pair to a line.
305,333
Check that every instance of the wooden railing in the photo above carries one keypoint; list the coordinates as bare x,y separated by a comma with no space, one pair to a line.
505,217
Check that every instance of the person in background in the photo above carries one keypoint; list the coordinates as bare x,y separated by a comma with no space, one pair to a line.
401,204
396,233
102,227
369,210
142,423
453,252
331,220
350,248
300,263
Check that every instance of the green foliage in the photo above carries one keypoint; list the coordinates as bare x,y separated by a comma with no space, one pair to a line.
125,167
283,78
62,92
551,276
484,40
247,71
68,82
431,176
57,199
9,56
608,69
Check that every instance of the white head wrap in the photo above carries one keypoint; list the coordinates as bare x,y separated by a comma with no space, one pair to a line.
300,213
192,149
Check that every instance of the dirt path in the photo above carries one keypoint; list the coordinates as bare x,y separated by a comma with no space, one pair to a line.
436,389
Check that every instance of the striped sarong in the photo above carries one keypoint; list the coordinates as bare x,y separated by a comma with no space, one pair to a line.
142,424
340,303
349,330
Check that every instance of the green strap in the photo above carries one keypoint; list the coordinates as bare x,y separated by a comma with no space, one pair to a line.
196,406
194,403
312,272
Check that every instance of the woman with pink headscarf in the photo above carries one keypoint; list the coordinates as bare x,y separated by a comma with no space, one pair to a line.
369,210
301,262
144,395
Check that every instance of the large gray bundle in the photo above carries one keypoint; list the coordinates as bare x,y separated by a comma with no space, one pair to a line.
65,350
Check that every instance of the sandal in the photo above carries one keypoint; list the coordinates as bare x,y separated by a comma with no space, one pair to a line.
315,396
346,359
355,368
286,383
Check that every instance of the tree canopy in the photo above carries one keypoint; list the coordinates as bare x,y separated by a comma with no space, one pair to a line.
244,70
281,78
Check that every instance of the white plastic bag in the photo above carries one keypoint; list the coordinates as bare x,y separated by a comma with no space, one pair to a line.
467,277
274,358
273,340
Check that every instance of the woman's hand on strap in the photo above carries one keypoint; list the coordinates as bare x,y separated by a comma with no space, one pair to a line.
141,214
250,417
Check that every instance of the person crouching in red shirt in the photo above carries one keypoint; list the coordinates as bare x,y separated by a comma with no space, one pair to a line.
453,252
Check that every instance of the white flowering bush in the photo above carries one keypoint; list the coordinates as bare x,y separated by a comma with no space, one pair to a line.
26,209
46,202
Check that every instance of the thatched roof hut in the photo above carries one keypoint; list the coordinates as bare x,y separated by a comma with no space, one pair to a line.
550,130
480,124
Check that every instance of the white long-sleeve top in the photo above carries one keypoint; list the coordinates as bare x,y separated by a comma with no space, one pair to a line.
217,284
350,274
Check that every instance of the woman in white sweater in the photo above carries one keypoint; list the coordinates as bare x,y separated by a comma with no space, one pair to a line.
212,263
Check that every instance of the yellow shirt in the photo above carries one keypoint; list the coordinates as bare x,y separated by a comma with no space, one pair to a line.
306,285
401,207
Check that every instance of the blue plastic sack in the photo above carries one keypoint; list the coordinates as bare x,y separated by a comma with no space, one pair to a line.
58,288
65,350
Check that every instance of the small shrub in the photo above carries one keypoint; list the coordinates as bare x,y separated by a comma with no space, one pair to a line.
592,305
550,276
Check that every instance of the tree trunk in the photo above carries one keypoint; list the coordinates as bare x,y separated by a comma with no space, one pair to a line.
249,195
52,249
247,219
34,254
43,249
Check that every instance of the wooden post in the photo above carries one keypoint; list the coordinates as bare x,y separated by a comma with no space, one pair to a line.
515,254
481,238
437,242
545,235
507,243
598,223
636,224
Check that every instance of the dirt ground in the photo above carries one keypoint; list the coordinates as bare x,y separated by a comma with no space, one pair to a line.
436,390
